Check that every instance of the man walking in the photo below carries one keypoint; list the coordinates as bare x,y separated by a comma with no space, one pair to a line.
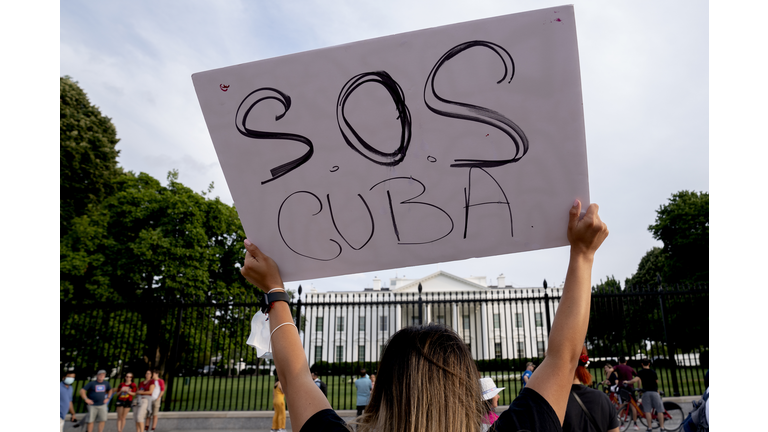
96,394
649,381
363,385
65,397
626,391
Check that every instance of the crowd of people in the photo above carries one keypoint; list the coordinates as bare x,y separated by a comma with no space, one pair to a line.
427,379
144,399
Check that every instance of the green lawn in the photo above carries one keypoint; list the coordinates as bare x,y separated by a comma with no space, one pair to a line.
249,393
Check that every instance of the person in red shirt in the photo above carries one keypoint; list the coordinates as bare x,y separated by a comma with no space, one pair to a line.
125,393
146,388
156,402
626,373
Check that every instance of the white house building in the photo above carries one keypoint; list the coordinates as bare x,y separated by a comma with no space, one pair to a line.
498,321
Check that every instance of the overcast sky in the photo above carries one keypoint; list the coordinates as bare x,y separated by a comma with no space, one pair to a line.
645,84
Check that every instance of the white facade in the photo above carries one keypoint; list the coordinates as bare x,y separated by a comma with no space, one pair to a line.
495,322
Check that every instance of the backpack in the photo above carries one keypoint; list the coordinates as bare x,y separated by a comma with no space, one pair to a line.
697,419
323,388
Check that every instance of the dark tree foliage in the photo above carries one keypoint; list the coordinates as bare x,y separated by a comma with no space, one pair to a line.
126,238
653,263
87,153
673,279
683,226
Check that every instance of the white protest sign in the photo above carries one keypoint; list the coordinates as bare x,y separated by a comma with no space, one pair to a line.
437,145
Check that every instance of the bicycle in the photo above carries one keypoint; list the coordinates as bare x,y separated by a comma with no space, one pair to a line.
673,414
613,396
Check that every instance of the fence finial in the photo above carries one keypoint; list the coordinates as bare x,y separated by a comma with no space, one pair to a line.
545,283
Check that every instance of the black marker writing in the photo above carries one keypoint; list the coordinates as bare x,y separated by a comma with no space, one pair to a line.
403,114
370,215
459,110
257,96
280,230
467,201
411,201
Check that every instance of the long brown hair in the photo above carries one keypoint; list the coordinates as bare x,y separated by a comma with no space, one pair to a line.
427,381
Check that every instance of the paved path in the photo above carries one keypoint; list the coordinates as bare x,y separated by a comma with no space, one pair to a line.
253,421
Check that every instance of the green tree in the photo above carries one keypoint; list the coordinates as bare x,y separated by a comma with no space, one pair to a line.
683,266
683,226
610,285
87,153
651,264
126,238
150,243
606,332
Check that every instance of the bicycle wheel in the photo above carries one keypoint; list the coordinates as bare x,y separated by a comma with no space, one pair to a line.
674,417
624,415
641,419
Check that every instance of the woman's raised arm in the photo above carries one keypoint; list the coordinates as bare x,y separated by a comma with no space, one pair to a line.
554,376
301,393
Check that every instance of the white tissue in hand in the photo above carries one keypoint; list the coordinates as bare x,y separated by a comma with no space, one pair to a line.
259,337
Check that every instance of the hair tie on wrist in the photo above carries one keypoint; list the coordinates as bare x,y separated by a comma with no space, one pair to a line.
273,332
273,289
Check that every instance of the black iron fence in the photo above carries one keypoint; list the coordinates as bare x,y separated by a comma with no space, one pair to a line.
208,367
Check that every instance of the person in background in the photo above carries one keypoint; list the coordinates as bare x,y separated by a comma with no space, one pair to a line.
612,378
651,399
278,403
611,383
96,394
588,409
364,386
427,378
126,391
491,398
626,391
156,403
320,384
529,367
66,393
373,381
144,393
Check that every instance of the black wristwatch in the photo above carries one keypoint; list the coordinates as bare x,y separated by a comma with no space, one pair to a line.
268,299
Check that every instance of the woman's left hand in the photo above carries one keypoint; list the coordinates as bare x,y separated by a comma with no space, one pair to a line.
260,269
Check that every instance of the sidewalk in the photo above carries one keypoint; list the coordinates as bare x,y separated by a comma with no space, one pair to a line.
250,421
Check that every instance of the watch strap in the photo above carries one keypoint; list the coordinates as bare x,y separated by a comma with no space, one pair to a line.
270,298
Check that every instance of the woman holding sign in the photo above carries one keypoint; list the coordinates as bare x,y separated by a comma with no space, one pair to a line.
427,379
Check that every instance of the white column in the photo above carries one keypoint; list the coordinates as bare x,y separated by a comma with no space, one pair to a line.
398,316
455,318
484,331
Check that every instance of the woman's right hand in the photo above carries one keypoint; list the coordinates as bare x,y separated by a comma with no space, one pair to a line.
587,233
